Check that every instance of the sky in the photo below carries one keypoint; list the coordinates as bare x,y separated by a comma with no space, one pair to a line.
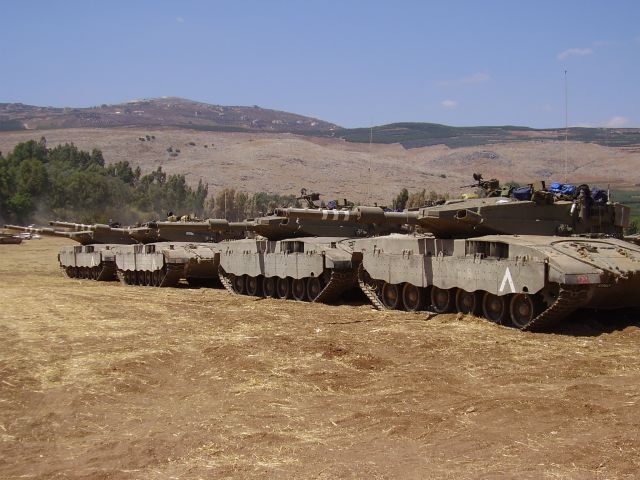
353,63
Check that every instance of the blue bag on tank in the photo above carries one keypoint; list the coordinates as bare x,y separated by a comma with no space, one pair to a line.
556,187
568,190
522,193
599,195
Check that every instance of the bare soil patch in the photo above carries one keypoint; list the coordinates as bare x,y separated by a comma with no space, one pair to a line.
99,380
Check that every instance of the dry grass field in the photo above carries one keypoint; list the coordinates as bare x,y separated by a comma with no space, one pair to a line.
99,380
284,163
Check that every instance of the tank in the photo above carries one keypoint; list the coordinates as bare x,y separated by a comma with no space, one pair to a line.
179,250
317,269
94,258
527,263
7,238
307,258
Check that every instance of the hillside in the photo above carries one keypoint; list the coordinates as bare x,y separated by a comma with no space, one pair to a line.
415,135
284,163
157,112
175,112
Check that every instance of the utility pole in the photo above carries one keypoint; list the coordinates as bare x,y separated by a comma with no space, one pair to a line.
566,126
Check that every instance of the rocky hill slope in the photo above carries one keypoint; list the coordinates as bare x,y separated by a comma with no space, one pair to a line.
160,112
176,112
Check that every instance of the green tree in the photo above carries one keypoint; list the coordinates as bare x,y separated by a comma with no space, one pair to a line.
32,177
400,202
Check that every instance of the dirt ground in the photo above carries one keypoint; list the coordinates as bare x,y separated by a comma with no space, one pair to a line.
99,380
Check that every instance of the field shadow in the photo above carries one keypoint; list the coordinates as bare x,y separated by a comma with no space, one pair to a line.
591,323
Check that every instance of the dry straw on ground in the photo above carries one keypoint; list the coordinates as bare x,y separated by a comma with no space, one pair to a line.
99,380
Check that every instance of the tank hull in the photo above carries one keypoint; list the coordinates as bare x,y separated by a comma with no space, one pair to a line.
532,281
316,269
164,264
93,262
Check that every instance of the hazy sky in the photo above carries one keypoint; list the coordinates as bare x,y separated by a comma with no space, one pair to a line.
354,63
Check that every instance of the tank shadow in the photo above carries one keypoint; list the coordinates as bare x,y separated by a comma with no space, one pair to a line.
591,323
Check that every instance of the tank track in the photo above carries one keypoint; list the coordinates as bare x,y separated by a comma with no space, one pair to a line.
368,290
170,279
224,280
570,298
120,275
339,282
106,272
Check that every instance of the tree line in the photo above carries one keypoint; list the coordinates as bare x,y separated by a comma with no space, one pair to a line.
64,182
39,183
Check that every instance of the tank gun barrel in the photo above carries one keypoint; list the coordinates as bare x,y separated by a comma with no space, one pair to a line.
362,215
210,225
82,227
38,230
82,237
71,225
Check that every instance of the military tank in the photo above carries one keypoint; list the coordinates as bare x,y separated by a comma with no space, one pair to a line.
304,258
94,258
7,238
177,250
528,263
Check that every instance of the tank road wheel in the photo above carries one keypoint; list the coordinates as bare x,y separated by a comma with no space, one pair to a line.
96,273
390,295
467,302
283,288
252,285
269,287
68,271
412,297
148,278
238,283
314,287
298,289
522,309
442,300
157,278
495,308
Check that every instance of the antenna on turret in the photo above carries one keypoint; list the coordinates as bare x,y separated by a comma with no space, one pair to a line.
566,125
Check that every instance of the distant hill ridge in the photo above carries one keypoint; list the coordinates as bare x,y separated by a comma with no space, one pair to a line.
159,112
182,113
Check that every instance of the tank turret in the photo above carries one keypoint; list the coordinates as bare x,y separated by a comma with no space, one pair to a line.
212,230
543,215
310,222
